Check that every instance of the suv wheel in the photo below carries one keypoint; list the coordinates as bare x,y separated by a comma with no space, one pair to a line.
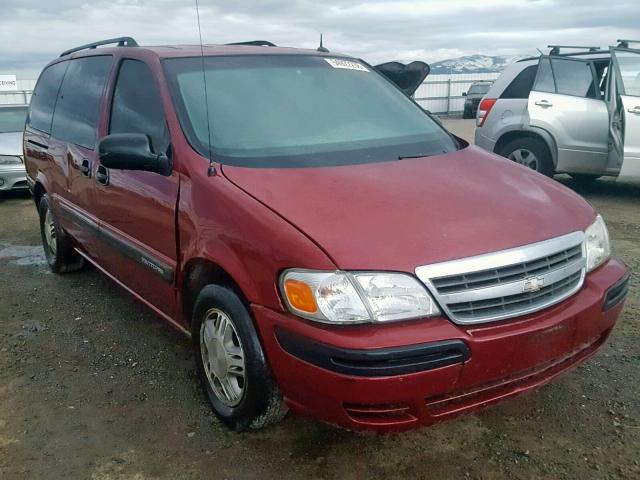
58,250
530,152
231,364
466,113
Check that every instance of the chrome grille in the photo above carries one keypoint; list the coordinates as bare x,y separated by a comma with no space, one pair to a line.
508,283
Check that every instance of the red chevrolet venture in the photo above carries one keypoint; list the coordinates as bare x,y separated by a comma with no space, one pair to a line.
327,244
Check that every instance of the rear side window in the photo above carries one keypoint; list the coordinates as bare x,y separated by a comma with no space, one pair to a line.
573,78
521,86
544,80
137,107
78,107
44,97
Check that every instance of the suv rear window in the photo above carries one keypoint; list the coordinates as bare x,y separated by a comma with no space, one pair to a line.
298,111
44,97
521,86
479,89
78,107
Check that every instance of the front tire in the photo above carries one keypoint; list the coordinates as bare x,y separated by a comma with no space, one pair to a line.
530,152
231,364
58,249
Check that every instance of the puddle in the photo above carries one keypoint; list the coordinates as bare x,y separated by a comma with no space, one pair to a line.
23,255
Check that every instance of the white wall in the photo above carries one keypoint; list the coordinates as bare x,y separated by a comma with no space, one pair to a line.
443,93
438,94
21,96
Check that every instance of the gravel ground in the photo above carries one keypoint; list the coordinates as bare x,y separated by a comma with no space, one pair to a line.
93,385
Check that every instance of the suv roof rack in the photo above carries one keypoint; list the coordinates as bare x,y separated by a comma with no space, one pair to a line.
256,43
120,41
555,49
625,43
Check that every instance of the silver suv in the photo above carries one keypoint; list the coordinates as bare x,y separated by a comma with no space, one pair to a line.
576,113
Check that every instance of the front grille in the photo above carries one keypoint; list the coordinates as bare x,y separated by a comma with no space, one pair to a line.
508,283
501,305
510,273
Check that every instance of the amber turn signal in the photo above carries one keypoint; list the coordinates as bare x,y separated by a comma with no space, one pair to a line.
300,296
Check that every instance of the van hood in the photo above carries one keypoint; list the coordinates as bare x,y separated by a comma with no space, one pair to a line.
11,143
403,214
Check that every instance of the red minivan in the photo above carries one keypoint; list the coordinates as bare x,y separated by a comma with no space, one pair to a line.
327,244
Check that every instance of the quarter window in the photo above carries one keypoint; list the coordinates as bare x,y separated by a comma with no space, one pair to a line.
44,97
78,107
137,107
521,86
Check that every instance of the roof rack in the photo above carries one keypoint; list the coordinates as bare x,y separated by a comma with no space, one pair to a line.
625,43
256,43
120,41
555,49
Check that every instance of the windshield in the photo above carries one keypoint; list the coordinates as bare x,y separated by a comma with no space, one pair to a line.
12,119
295,110
479,89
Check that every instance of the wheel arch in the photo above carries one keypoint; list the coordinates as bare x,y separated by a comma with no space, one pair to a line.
196,274
538,134
38,192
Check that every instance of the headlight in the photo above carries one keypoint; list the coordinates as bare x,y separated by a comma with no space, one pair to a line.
359,297
6,160
597,242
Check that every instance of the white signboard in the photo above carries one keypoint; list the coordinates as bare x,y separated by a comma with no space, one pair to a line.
8,83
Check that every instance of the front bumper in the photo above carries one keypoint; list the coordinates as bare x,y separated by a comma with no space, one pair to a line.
13,178
503,359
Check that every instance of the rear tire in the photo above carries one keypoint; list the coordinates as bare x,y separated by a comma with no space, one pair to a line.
529,152
231,364
58,249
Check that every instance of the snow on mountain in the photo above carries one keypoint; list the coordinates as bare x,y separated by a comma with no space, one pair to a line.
474,64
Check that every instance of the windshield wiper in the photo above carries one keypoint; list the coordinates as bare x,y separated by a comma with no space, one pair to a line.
419,155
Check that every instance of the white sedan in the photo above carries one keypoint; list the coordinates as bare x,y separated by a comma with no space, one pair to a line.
13,175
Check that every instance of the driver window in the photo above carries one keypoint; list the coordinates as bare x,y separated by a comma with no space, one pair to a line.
137,106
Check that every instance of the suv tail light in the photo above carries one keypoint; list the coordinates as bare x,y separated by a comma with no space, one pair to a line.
483,110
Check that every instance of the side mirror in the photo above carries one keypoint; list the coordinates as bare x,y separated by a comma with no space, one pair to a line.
132,151
464,94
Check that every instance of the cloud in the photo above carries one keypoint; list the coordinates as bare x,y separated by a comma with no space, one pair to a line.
33,31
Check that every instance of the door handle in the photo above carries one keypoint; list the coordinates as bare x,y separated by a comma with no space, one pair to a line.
102,175
635,110
544,104
85,167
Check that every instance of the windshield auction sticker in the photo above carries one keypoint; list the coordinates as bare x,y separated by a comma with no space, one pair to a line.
347,64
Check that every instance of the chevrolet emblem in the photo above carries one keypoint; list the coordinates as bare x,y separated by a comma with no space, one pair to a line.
532,284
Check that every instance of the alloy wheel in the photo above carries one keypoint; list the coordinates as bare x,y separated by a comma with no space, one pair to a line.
50,232
525,157
223,357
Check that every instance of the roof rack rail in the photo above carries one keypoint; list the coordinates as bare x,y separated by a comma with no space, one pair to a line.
120,41
555,49
625,43
257,43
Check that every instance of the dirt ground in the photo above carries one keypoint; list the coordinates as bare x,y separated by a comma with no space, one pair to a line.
93,385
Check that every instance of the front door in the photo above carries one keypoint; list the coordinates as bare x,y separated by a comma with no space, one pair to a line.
566,102
136,209
624,102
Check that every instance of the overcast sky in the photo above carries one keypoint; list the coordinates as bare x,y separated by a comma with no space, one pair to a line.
32,32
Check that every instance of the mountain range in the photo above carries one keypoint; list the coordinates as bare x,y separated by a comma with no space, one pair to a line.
474,64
